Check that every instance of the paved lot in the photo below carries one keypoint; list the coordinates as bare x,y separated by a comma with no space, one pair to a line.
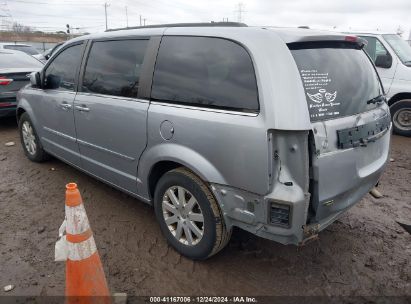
364,253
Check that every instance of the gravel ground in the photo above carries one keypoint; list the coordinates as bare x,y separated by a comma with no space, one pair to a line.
364,253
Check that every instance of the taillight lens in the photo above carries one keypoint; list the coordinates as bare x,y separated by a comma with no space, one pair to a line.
351,38
5,81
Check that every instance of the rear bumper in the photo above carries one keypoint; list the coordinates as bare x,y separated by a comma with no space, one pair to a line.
8,106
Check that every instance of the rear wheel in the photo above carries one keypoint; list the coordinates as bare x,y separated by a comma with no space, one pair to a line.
401,117
189,216
30,141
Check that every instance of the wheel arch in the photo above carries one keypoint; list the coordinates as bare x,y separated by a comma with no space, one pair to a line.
25,107
398,97
20,112
167,156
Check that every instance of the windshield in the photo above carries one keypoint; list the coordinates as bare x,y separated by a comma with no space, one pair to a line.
338,79
24,48
400,47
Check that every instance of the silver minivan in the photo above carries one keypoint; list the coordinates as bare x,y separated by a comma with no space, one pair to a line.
274,131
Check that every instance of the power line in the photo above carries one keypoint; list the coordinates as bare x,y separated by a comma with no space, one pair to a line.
126,17
56,4
105,11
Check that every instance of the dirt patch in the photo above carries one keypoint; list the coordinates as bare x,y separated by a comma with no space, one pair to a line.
363,253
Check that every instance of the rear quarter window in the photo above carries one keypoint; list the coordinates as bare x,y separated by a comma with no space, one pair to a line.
338,79
206,72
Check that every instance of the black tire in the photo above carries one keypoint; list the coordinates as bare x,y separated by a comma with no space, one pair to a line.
397,113
40,155
215,234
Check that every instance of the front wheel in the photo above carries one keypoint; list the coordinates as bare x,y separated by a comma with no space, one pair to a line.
189,215
30,141
401,117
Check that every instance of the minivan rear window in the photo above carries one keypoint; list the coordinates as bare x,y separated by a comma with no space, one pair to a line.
338,79
23,48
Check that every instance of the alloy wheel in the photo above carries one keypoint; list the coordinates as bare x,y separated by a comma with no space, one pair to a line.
29,138
183,215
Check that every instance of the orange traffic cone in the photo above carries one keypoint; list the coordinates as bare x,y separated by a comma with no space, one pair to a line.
84,272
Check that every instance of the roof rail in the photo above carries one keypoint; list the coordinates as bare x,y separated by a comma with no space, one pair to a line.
204,24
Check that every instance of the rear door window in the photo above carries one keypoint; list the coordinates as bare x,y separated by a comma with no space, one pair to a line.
205,72
338,79
113,67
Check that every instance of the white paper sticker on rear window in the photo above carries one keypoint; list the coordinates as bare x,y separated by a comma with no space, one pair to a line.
323,103
337,81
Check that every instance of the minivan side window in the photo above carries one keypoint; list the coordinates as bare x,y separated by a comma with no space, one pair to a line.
374,48
205,71
61,73
113,67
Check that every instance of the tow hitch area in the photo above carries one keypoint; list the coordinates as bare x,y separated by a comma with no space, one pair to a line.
310,234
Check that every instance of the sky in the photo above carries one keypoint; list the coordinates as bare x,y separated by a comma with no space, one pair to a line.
88,15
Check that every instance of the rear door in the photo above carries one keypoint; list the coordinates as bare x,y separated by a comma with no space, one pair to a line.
110,119
350,125
54,110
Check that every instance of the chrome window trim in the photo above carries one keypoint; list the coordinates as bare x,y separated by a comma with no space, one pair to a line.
231,112
135,99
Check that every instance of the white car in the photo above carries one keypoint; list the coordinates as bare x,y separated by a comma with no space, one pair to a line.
392,58
26,48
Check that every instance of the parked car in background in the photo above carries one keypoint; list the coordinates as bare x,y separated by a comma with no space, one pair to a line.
48,53
275,131
392,57
15,68
28,49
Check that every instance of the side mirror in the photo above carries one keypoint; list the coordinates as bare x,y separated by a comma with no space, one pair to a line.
52,81
35,79
383,61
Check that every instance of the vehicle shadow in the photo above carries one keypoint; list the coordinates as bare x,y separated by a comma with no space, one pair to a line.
8,123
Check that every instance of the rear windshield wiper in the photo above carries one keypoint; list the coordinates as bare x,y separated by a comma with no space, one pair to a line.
378,99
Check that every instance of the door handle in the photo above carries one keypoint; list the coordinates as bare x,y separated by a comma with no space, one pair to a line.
65,106
82,108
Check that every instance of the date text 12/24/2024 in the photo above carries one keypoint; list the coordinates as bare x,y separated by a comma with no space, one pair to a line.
203,299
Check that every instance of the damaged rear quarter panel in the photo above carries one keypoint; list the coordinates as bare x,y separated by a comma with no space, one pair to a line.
251,212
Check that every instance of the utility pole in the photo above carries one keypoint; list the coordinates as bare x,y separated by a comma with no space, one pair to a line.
105,11
144,21
240,12
126,17
140,21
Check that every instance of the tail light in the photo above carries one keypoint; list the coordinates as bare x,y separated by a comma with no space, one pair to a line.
5,81
280,215
351,38
360,41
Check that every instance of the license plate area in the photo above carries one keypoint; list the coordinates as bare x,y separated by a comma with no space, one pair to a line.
361,135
